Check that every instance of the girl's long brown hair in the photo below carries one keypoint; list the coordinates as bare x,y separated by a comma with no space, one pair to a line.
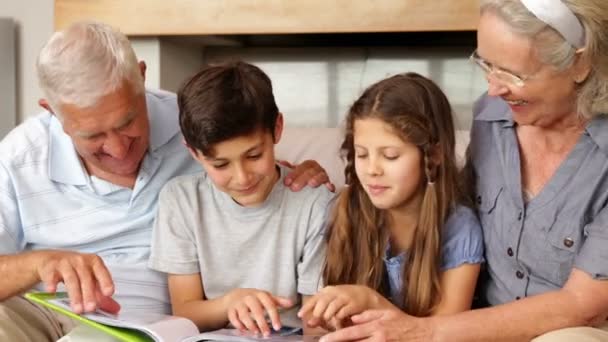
418,111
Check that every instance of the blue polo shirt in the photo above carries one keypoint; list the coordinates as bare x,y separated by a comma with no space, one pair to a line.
48,200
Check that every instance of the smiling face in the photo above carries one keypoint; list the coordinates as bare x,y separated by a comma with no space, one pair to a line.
389,169
244,167
548,96
112,136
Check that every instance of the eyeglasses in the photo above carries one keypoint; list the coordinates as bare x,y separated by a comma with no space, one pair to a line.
501,75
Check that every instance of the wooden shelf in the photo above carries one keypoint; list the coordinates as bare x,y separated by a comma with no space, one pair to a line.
219,17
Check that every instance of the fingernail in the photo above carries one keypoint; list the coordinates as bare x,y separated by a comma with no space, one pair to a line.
78,307
90,306
288,181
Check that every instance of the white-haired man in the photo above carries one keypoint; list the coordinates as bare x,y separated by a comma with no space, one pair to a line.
79,184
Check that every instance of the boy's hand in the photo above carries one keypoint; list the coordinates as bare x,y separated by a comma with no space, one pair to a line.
309,173
248,308
336,304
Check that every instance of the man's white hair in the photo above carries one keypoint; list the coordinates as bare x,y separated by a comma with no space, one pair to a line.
84,62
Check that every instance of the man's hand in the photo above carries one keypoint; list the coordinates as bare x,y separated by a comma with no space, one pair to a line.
248,308
383,325
338,303
309,173
85,276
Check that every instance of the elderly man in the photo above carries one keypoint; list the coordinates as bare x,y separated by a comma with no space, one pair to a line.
79,184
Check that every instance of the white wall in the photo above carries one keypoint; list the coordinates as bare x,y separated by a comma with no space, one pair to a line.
34,19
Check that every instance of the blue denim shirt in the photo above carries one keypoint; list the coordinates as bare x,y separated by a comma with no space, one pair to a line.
532,247
462,243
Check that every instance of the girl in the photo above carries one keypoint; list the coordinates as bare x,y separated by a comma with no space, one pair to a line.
398,236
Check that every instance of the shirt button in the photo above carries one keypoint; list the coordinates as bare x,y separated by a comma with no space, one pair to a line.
519,216
519,274
478,199
510,251
568,242
517,298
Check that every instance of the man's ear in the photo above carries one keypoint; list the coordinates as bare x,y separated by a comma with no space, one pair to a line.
142,69
278,128
45,104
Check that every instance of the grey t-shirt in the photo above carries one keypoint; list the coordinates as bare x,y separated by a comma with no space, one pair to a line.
532,247
277,247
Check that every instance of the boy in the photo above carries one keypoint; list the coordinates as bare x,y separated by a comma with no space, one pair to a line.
237,245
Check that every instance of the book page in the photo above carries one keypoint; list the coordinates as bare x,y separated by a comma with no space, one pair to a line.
160,327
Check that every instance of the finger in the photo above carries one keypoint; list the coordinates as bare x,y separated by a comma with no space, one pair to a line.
258,312
283,302
50,277
314,322
87,284
270,306
234,320
72,285
354,333
333,308
330,186
307,307
318,179
346,311
302,173
321,306
107,304
367,316
103,276
244,316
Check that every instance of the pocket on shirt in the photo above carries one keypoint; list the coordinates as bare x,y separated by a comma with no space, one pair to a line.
565,238
487,201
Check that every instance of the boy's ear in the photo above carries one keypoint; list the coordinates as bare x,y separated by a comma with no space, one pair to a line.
278,128
193,152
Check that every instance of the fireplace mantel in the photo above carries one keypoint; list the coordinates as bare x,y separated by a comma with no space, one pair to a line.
228,17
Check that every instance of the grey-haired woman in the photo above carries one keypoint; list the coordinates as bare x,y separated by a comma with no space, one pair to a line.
539,154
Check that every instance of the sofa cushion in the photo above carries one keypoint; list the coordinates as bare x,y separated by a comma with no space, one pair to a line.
323,145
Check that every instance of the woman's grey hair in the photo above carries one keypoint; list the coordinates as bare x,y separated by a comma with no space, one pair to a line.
84,62
553,49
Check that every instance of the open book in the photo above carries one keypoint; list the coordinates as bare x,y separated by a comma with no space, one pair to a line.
154,327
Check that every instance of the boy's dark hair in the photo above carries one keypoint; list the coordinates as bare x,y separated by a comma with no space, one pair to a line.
224,101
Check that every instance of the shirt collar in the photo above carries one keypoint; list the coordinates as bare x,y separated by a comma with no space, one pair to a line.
64,163
489,108
492,108
597,129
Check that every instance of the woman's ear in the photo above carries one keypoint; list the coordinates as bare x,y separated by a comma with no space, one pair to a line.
581,67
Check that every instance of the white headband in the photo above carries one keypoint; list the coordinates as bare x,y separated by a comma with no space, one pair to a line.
557,15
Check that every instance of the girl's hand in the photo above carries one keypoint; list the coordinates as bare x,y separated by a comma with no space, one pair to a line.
333,305
247,310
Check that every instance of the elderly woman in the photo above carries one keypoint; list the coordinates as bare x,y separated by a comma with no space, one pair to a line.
539,151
